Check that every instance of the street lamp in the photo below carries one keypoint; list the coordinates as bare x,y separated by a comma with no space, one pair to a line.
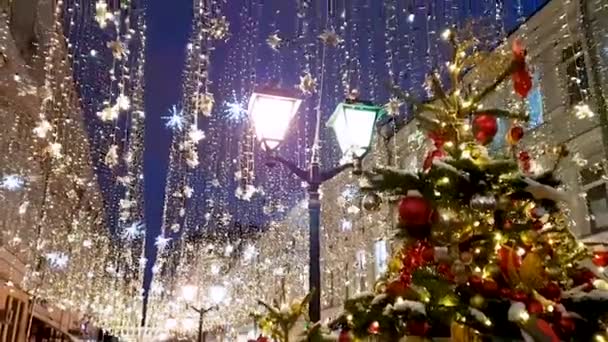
216,294
353,122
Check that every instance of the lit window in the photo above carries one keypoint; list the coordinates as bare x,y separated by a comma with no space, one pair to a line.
535,103
597,199
381,257
577,82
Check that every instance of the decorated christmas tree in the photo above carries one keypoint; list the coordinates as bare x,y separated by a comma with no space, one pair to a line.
484,247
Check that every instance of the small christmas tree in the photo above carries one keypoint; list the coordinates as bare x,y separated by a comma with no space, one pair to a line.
485,247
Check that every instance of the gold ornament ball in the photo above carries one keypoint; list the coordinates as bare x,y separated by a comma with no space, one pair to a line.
478,301
553,271
395,265
528,237
380,287
491,270
371,202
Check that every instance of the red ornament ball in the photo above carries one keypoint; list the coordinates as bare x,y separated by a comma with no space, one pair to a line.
522,81
600,258
417,328
505,292
519,296
374,328
484,128
345,336
516,133
475,281
415,214
552,291
428,254
535,307
397,288
490,288
567,326
428,161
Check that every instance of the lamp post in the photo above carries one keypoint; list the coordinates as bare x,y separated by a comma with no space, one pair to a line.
216,293
353,123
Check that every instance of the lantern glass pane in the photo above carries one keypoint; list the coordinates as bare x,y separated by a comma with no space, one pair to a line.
271,117
354,128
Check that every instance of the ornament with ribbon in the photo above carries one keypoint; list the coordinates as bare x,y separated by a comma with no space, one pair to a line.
521,78
438,140
414,257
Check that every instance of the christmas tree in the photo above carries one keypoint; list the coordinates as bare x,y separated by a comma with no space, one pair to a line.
484,247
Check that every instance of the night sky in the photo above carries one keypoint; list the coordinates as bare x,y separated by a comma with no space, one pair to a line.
169,26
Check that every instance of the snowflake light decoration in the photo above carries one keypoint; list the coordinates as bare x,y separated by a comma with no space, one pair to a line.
235,112
133,231
12,182
161,242
175,120
57,260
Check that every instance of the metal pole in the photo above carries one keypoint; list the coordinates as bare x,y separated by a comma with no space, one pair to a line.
201,315
314,270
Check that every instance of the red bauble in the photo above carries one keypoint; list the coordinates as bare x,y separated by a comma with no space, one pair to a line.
428,254
438,138
519,296
490,288
476,282
397,288
345,336
516,133
374,328
522,81
567,326
552,291
600,258
505,292
508,260
484,128
535,307
428,161
415,214
262,339
445,270
417,328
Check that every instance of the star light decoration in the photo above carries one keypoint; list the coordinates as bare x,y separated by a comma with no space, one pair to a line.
195,134
204,103
329,37
235,112
175,120
393,106
308,84
102,16
219,28
42,129
12,182
108,113
161,242
111,158
57,260
118,49
274,41
133,231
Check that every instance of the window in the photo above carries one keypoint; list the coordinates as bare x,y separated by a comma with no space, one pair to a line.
381,257
577,82
535,103
597,198
361,271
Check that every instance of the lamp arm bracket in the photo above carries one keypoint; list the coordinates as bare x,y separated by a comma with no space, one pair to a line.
329,174
302,174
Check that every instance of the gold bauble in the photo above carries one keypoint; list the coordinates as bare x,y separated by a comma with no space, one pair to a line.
528,237
395,265
478,301
380,287
491,270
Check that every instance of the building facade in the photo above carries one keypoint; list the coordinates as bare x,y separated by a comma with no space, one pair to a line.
53,240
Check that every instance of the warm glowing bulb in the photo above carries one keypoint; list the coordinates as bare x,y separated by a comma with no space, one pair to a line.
445,35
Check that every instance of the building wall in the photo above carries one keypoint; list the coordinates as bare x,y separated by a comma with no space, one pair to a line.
72,218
